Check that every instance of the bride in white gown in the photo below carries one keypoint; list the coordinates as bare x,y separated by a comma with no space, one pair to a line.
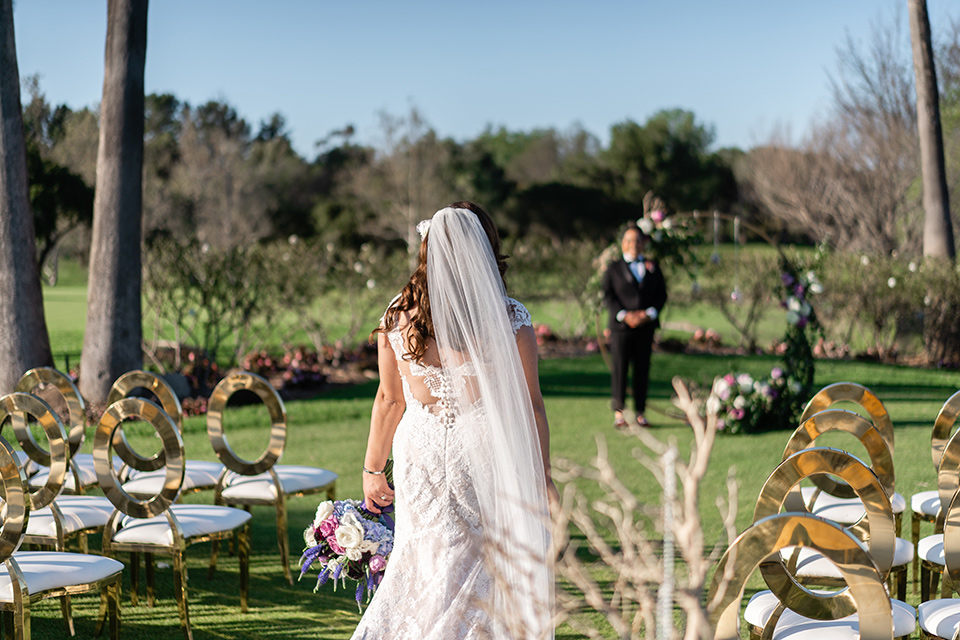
459,403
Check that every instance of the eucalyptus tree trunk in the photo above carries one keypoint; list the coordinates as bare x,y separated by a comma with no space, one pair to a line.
24,342
112,340
937,228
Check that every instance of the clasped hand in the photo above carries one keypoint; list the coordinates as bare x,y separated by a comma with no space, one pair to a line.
376,492
634,319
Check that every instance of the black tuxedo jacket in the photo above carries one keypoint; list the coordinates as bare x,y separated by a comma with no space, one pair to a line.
622,291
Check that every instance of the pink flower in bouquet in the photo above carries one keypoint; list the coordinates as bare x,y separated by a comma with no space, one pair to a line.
328,527
657,216
377,563
737,414
776,373
335,546
729,378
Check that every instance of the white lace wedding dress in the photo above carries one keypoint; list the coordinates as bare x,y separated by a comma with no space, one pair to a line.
435,584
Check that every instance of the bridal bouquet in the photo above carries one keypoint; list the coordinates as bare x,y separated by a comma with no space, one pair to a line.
347,541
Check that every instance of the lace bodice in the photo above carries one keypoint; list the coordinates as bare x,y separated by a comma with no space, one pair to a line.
432,389
436,583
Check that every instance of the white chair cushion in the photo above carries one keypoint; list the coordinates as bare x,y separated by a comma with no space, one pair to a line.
85,469
940,617
198,474
79,513
925,502
795,626
846,510
812,564
195,520
43,570
294,479
931,549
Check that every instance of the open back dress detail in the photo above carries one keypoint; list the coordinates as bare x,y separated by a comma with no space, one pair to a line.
435,585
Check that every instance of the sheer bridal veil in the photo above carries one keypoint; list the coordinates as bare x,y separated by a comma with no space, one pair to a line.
472,330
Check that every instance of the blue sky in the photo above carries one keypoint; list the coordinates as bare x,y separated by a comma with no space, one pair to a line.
744,66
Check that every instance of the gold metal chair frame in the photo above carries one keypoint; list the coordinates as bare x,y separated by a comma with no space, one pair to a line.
75,436
939,439
16,614
121,388
265,463
172,456
762,541
876,529
858,394
948,485
951,550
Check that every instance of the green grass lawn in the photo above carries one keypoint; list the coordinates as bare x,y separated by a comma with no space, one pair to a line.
331,431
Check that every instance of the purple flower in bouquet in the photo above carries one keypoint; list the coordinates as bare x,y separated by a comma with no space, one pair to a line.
328,527
776,373
799,291
786,279
377,564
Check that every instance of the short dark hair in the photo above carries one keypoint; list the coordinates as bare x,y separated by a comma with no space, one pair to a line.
632,226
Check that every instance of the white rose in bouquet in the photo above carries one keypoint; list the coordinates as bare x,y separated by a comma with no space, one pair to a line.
739,402
324,511
350,535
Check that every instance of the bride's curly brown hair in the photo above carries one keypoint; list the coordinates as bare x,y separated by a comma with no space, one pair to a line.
415,299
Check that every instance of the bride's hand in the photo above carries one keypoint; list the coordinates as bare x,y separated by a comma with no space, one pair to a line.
553,496
376,492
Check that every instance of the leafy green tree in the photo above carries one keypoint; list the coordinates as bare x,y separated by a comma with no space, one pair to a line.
669,155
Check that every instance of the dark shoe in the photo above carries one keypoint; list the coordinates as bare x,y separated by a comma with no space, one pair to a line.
619,423
642,422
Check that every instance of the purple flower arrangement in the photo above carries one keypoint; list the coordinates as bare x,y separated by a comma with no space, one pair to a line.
347,541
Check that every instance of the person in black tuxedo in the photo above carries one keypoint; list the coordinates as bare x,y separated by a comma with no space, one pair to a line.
634,291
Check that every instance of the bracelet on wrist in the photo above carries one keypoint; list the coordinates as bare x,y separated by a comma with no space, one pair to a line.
374,473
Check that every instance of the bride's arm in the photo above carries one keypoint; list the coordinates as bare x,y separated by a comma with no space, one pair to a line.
527,345
388,407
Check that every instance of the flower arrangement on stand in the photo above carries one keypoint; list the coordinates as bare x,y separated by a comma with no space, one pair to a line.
347,541
746,405
672,238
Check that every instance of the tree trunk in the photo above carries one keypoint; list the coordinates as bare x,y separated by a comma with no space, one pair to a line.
24,342
937,228
112,341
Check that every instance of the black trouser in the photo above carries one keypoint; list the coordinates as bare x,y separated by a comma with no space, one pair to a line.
626,348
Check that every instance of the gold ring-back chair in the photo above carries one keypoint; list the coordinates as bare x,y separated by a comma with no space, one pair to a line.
875,530
849,508
871,404
158,525
925,506
931,549
199,475
262,481
39,575
862,610
72,514
941,618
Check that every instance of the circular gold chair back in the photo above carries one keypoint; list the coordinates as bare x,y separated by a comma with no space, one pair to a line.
71,395
951,539
278,422
858,394
768,536
123,387
948,472
942,426
57,458
16,513
780,490
841,420
172,455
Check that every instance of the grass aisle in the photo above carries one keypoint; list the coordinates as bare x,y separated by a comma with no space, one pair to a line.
331,432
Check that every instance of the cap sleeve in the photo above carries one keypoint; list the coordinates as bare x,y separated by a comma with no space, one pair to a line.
518,314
